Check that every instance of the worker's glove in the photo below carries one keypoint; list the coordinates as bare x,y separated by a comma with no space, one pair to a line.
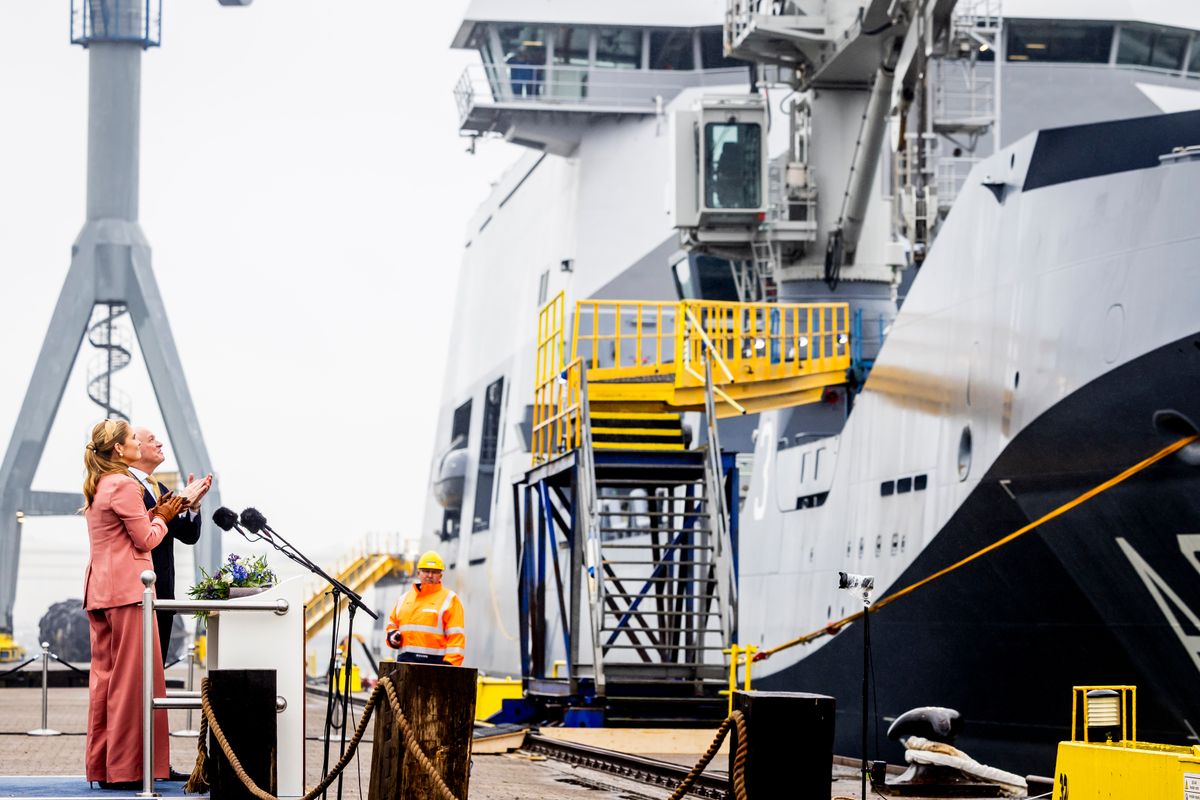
393,639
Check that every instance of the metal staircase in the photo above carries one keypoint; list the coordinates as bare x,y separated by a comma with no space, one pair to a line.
626,539
377,561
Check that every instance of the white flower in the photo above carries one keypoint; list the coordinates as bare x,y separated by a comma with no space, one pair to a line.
226,578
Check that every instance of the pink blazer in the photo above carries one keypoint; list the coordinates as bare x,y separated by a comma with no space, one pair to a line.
122,535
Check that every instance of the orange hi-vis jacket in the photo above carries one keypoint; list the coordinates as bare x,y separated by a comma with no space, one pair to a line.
431,621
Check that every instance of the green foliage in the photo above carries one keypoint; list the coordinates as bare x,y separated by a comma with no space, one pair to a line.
236,571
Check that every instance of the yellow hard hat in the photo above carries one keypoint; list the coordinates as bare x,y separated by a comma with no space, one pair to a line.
431,560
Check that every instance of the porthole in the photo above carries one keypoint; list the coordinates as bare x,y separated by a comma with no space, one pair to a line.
964,453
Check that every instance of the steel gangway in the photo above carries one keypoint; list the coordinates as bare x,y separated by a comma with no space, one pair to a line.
626,528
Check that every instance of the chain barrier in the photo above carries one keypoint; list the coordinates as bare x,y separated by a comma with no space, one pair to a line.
198,781
835,627
739,758
68,664
20,666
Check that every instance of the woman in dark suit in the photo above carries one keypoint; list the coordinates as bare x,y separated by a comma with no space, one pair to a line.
122,533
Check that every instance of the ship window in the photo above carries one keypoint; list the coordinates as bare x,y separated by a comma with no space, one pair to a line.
460,429
487,456
920,482
705,278
528,38
543,288
887,488
571,46
1194,61
732,165
671,50
904,485
618,48
1146,46
712,51
1041,40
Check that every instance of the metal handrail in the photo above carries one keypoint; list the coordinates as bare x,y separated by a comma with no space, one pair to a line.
624,339
558,85
150,703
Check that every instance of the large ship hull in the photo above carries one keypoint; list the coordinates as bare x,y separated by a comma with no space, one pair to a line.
1079,600
1082,273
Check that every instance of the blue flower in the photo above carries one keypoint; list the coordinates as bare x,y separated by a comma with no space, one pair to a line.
239,573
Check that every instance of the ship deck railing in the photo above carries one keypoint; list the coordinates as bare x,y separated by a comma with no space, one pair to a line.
563,87
648,357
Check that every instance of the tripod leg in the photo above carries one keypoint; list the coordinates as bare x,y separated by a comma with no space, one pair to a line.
331,675
348,671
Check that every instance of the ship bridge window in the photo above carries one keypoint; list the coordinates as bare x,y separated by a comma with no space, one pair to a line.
1193,65
671,50
487,456
1148,46
619,48
1050,40
530,39
732,170
712,51
571,46
700,277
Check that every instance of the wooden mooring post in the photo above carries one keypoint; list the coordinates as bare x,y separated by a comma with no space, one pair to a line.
439,704
791,744
243,701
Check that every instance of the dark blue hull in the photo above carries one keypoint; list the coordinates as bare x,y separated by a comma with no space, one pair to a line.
1003,639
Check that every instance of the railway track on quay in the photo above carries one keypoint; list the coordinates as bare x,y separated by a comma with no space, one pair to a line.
650,771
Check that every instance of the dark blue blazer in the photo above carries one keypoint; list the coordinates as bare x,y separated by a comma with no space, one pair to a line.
180,529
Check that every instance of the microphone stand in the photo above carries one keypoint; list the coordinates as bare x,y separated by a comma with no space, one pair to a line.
339,694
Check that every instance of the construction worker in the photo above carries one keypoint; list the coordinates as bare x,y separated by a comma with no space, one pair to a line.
427,624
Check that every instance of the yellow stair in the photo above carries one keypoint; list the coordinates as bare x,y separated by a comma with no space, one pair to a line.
647,360
614,430
359,575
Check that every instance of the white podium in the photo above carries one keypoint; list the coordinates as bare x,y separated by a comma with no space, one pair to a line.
265,640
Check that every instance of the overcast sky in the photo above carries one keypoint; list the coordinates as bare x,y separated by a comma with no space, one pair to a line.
305,191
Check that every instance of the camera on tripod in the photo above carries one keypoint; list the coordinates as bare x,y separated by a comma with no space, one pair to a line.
850,580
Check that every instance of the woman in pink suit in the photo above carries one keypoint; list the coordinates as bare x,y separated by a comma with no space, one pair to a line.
122,534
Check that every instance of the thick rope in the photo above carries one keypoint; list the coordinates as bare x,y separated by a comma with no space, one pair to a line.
739,758
209,721
835,627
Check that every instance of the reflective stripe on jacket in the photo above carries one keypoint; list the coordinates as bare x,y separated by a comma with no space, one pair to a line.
430,620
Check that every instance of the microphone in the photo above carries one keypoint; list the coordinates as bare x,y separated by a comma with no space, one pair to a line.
254,521
227,520
224,518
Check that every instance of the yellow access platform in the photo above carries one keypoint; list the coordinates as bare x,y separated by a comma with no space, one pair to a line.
635,365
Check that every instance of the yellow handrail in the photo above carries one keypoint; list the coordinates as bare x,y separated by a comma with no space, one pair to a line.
626,339
646,354
557,389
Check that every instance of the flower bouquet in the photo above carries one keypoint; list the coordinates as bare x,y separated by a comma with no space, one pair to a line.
235,573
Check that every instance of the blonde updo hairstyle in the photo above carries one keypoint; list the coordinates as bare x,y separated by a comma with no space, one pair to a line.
100,455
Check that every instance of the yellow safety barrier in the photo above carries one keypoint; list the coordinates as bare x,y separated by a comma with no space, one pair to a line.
746,656
557,400
490,694
1092,770
643,356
